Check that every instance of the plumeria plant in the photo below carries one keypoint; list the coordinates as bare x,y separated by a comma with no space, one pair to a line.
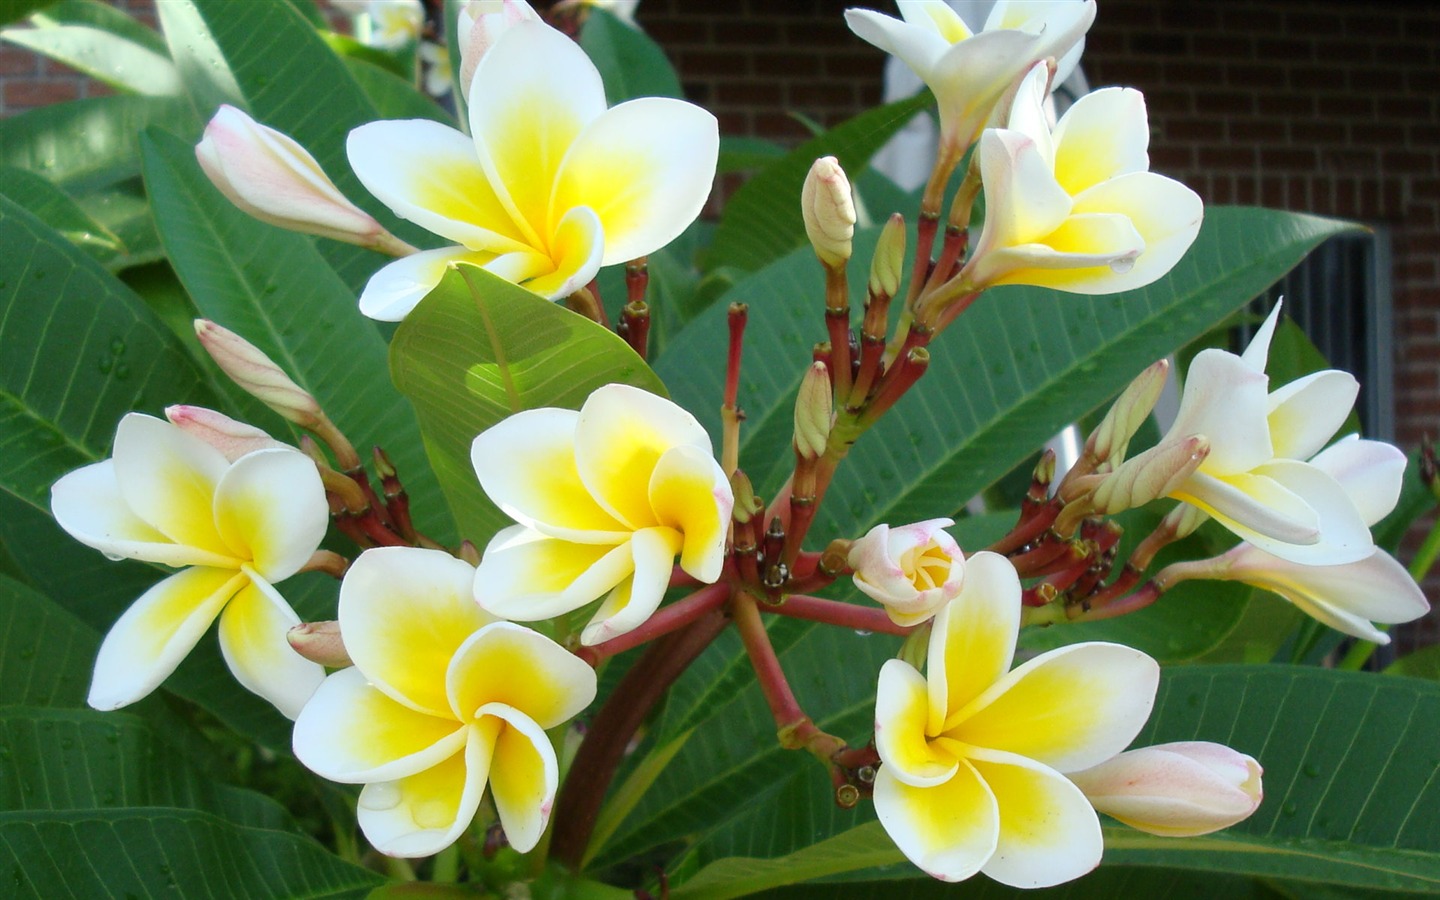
567,541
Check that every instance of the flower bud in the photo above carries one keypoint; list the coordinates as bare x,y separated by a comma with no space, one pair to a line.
253,371
320,643
828,210
479,25
813,413
888,264
1151,475
274,179
233,439
1127,414
1175,790
912,570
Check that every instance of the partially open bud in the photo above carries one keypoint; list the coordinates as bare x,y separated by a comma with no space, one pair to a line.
274,179
829,211
232,438
479,26
1175,790
1151,475
813,413
257,374
1111,439
320,642
888,264
912,570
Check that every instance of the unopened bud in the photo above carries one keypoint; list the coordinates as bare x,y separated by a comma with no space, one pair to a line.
1112,438
829,211
1175,790
268,175
888,264
813,413
479,26
233,439
257,374
1153,474
747,505
319,642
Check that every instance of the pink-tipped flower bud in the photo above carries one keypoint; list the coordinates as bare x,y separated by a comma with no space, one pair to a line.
1151,475
320,642
257,374
232,438
274,179
1175,790
1129,411
479,25
829,211
912,570
888,264
813,413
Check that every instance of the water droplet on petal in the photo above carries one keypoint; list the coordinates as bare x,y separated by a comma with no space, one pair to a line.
1123,264
863,633
380,796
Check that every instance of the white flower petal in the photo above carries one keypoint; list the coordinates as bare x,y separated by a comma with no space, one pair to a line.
645,168
1226,401
1104,135
522,669
399,286
1370,472
527,576
577,248
524,776
1048,833
918,45
352,733
690,493
168,479
949,830
404,611
1307,412
972,642
1257,352
636,598
156,633
1257,508
252,640
429,173
270,506
422,814
1165,213
902,710
1344,536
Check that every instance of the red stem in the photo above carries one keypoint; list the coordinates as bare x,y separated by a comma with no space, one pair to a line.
669,618
833,612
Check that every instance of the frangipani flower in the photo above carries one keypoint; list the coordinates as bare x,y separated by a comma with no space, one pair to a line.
974,754
912,570
1347,597
551,186
1076,209
387,24
1175,790
442,700
235,527
1254,480
606,498
970,72
479,25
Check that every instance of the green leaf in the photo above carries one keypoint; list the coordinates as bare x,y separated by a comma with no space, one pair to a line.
394,97
478,349
45,653
273,288
15,10
290,81
104,17
148,852
630,63
1104,884
55,208
103,55
762,221
124,210
351,50
1423,663
85,145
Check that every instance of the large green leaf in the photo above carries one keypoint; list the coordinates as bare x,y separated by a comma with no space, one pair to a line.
630,63
89,144
55,208
762,221
291,81
103,55
478,349
14,10
103,16
274,289
30,625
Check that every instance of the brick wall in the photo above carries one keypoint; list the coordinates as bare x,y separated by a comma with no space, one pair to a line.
1327,107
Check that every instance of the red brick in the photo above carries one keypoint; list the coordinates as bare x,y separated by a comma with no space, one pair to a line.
1347,107
15,61
1273,49
1229,158
1228,103
1286,106
1309,23
23,94
1255,76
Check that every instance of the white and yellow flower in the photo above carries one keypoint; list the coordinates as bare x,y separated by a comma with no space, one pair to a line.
1350,596
550,185
912,570
970,72
442,701
1255,480
235,528
1076,208
1175,790
606,498
974,754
